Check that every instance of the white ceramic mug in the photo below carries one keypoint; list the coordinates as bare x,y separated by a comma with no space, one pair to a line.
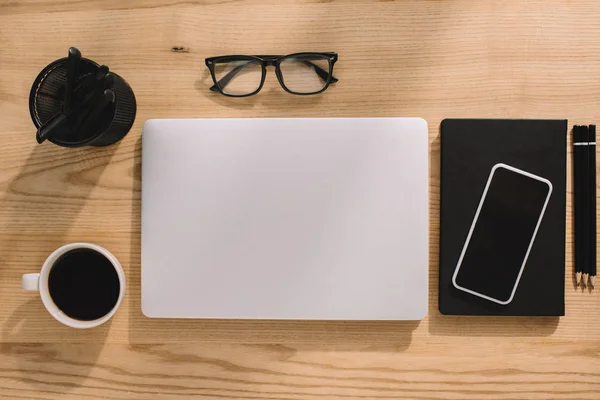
39,282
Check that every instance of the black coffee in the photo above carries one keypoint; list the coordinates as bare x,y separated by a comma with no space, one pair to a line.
84,284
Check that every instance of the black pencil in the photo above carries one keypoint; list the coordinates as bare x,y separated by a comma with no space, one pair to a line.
592,203
72,75
578,159
585,224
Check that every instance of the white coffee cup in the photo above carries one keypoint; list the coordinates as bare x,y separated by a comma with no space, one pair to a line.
39,282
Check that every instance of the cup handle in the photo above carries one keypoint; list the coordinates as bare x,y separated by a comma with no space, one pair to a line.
31,282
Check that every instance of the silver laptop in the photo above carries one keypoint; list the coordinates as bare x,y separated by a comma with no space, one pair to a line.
323,218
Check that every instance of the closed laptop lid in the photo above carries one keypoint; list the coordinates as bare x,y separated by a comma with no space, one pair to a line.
285,218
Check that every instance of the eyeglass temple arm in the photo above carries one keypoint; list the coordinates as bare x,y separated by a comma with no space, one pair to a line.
227,78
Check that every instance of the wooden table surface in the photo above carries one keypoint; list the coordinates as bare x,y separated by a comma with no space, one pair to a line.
426,58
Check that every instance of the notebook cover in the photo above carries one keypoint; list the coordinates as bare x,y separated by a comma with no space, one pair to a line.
469,150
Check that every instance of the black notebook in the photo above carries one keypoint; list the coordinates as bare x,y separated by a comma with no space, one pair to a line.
514,165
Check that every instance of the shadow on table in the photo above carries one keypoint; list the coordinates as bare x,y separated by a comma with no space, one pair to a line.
458,325
43,200
60,367
51,189
337,335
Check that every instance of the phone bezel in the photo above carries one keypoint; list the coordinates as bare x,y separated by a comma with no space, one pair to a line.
481,202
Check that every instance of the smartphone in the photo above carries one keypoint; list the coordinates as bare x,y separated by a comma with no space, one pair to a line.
502,234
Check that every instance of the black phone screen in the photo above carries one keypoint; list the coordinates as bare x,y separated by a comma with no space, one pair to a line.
502,234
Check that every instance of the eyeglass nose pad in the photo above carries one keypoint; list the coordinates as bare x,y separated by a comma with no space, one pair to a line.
278,74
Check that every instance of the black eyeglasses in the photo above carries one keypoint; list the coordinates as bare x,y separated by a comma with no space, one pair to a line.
300,73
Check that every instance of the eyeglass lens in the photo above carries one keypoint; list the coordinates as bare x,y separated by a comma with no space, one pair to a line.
238,77
304,74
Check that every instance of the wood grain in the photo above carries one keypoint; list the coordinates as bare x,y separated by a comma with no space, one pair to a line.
543,370
426,58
